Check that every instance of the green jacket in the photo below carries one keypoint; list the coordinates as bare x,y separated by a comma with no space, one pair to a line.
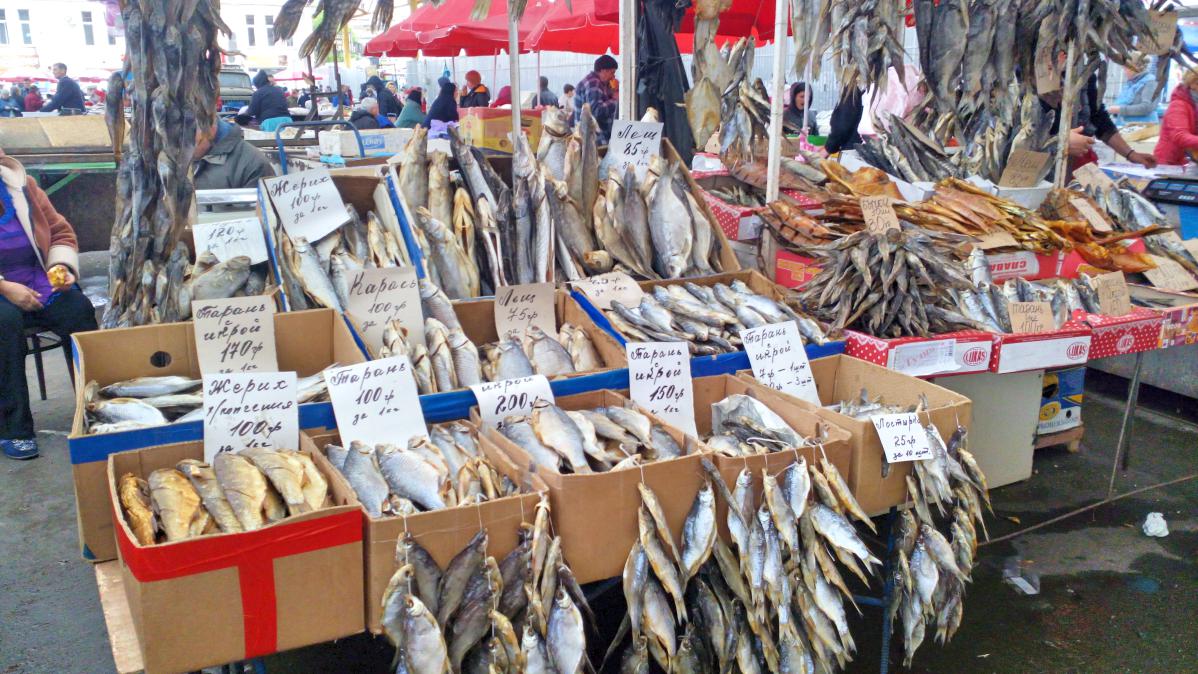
231,162
411,116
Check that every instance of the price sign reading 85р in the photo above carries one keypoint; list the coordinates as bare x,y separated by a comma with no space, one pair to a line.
659,378
376,402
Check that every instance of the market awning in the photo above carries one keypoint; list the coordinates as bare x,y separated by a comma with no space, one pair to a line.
446,30
579,28
742,19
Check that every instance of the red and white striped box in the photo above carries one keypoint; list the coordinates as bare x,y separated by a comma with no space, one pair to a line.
1027,351
1139,330
961,352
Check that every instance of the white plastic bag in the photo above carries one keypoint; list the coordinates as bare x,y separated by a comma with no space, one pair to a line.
1154,525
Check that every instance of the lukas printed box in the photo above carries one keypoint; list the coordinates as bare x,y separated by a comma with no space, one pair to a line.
961,352
444,533
222,598
1178,310
305,341
1139,330
840,378
374,141
491,128
596,513
1022,352
1061,401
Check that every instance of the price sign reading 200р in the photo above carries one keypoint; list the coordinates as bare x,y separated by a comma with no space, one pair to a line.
659,378
498,400
376,402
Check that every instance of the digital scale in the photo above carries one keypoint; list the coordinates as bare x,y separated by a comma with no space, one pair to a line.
1177,197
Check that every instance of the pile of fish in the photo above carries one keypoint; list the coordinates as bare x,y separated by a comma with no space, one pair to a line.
524,613
744,426
708,318
445,469
739,194
988,303
154,401
1129,211
171,80
887,285
319,274
773,601
591,441
238,492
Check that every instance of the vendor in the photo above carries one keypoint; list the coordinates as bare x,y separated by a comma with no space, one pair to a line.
443,108
474,94
1179,126
800,100
39,263
366,115
504,97
1091,121
412,113
68,97
596,89
1136,102
388,104
224,160
268,104
846,117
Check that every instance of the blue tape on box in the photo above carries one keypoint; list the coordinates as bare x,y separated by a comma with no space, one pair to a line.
405,228
1188,217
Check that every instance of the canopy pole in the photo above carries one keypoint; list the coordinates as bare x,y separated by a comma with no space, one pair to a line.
453,67
774,163
495,71
628,59
1066,118
537,101
514,63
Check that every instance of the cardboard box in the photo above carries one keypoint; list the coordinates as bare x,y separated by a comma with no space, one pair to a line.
596,514
55,131
374,141
444,533
1036,266
1134,332
1005,413
739,223
1180,314
836,447
971,352
305,341
839,378
491,128
1022,352
222,598
790,270
1061,400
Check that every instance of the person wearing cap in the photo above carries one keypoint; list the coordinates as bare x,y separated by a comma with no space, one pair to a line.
474,94
1135,102
268,104
595,89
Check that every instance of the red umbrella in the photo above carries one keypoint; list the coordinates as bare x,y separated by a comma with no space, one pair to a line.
447,30
583,31
742,19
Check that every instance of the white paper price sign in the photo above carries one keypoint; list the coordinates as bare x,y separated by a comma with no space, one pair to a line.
308,203
498,400
903,437
517,307
249,409
378,296
634,143
616,286
376,402
231,238
235,335
659,377
924,358
779,361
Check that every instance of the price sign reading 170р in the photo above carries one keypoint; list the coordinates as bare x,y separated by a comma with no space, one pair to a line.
659,378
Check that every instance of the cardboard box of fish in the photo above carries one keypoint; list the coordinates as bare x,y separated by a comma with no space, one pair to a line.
140,387
437,492
593,450
259,552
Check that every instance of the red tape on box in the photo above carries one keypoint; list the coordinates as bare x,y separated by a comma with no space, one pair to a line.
253,553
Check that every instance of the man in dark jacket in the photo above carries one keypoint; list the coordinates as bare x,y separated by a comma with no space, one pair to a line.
68,98
597,90
366,115
388,103
845,118
268,105
224,160
475,94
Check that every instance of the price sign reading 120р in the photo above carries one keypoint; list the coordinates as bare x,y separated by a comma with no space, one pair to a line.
659,378
903,437
498,400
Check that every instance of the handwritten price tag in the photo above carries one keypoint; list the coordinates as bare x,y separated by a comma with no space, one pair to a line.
376,402
659,376
1031,317
879,214
498,400
519,306
635,143
235,335
997,239
903,437
920,359
1091,214
231,238
1170,275
379,296
1164,30
1112,294
601,290
308,203
1048,75
1089,175
249,409
1024,168
779,361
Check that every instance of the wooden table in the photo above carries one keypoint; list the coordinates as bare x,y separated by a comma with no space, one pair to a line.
126,649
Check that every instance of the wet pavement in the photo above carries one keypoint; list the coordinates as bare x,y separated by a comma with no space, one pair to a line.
1111,599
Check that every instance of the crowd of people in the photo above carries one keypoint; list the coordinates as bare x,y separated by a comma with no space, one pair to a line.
68,97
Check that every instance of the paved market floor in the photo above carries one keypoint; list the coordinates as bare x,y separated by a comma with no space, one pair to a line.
1111,599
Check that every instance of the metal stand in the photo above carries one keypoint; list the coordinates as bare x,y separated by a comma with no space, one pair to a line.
1133,397
316,124
887,597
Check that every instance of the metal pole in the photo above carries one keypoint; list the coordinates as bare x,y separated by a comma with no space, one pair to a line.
628,59
1129,411
513,45
1066,119
781,13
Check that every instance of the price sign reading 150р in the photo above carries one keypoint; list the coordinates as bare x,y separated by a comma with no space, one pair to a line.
659,380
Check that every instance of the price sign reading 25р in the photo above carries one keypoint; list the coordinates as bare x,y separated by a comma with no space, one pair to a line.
659,380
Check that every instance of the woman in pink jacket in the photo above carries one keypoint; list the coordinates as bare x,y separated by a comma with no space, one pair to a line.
1179,126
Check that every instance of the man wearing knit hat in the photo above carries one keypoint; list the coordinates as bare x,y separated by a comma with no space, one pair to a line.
474,94
596,89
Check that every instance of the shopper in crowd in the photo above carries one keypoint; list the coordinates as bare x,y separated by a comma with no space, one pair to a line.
268,105
1135,102
800,100
365,115
388,104
9,106
504,97
412,113
897,97
291,97
68,97
224,160
443,109
33,98
596,89
566,102
545,95
474,94
346,97
34,240
304,99
1091,121
18,95
846,116
1179,127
